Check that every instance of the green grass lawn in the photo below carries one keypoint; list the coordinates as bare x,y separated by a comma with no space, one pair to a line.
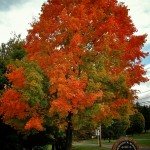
49,147
141,136
84,147
143,143
142,140
92,144
95,141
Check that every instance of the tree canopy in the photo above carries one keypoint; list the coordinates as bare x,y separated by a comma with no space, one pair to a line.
82,59
145,110
137,123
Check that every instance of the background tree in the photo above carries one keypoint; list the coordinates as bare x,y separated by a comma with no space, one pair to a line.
9,52
14,52
82,60
137,123
146,113
145,110
116,129
12,49
3,79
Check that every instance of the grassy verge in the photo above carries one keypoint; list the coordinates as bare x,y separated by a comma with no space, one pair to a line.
142,140
141,136
143,143
49,147
95,141
85,147
92,144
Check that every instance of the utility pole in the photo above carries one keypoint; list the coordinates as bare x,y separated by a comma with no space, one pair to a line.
99,136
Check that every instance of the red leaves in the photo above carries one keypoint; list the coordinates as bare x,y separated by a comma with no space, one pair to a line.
72,41
118,103
135,75
34,123
60,105
76,40
12,106
73,97
134,46
17,78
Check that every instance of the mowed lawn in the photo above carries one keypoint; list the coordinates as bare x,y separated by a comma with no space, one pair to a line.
142,140
85,147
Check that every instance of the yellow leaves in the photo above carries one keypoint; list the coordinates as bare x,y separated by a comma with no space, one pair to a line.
121,106
103,113
113,109
26,97
74,43
73,101
10,68
99,94
105,110
72,97
34,123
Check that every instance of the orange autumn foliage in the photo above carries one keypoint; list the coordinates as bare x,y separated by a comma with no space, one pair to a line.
17,78
113,110
90,57
71,35
34,123
20,101
12,105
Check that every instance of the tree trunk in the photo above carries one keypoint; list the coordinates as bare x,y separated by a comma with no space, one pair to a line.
64,143
69,132
59,144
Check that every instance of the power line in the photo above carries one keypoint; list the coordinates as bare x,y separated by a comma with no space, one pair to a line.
145,102
147,68
144,98
146,76
144,92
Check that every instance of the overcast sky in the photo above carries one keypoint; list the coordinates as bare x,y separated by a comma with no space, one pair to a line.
140,13
16,16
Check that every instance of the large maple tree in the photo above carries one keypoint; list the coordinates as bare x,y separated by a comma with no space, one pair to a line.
83,58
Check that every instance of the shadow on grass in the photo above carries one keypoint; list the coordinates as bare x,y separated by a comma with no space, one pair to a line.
85,147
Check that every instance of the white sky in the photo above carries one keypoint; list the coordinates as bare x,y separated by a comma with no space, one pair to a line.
15,16
140,14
